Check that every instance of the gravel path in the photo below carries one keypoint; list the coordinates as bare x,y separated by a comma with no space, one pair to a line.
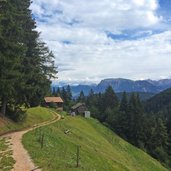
20,155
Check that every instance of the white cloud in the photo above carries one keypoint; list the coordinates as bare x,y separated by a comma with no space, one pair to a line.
103,15
76,32
146,58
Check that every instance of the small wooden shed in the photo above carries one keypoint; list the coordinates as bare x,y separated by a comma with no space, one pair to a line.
54,102
79,108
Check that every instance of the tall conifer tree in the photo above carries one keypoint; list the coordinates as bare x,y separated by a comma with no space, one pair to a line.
12,51
27,65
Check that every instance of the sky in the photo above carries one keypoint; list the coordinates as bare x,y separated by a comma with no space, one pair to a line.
94,40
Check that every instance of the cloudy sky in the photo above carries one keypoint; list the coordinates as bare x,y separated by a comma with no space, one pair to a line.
98,39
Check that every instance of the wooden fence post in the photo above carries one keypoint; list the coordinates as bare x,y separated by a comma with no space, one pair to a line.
42,140
78,156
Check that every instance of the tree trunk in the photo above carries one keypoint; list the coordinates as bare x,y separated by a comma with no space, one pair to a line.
4,105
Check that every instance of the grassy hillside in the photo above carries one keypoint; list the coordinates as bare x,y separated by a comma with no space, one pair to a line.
34,116
101,149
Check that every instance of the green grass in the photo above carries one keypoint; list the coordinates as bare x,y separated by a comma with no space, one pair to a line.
34,116
101,149
3,145
6,160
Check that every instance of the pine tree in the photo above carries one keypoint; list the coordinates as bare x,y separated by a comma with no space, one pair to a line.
124,103
12,51
69,93
110,99
123,118
38,65
160,136
158,141
64,95
107,102
81,97
27,65
98,106
136,121
91,99
58,93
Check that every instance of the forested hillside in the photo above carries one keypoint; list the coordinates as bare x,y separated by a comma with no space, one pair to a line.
160,106
26,63
129,119
160,102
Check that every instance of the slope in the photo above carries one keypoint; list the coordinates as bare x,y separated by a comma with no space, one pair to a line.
100,150
34,116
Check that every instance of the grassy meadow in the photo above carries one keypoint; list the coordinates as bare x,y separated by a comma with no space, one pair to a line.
34,116
100,148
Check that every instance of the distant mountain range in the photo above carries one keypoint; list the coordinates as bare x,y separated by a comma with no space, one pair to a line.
120,85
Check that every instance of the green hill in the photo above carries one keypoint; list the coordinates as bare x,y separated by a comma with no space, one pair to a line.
34,116
101,149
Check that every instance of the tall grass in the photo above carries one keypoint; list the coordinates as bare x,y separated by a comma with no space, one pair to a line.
33,116
100,148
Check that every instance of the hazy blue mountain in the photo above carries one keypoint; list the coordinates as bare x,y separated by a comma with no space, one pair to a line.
148,87
85,88
120,85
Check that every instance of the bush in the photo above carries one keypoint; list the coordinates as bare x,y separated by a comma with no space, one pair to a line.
17,114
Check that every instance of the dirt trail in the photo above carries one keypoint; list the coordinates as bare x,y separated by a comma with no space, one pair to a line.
20,155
